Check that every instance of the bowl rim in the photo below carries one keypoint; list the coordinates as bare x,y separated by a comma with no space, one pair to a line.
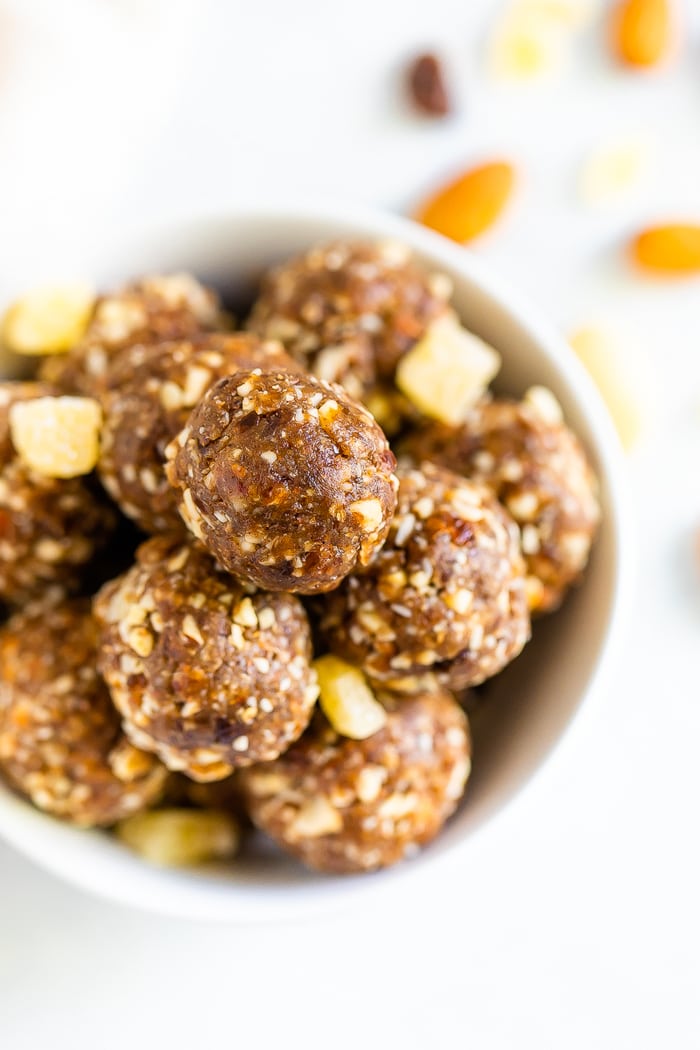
45,840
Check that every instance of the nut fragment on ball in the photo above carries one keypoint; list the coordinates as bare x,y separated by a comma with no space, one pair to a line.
58,437
48,320
286,480
342,805
181,837
347,700
447,371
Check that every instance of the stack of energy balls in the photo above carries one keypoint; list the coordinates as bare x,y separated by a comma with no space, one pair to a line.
299,618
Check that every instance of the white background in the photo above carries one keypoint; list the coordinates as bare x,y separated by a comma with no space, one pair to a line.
573,920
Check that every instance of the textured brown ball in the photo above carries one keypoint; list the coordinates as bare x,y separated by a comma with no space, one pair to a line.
349,311
286,480
343,805
152,390
538,469
208,674
61,742
50,528
444,600
151,310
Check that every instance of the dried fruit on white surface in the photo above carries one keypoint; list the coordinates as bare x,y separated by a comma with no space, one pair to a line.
57,437
569,14
347,700
48,320
179,837
447,371
614,168
604,358
532,38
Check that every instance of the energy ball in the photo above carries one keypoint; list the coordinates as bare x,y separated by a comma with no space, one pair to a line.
61,742
152,390
349,311
154,309
343,806
538,469
50,528
207,673
286,480
444,601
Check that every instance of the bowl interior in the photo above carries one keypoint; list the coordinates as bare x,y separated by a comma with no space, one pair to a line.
529,705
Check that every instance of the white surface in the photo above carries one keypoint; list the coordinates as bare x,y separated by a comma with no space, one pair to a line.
576,923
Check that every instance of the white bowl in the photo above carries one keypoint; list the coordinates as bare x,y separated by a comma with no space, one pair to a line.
531,704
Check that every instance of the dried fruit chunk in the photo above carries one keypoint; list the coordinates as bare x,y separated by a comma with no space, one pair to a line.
470,204
48,320
179,837
347,700
447,371
524,48
613,168
58,437
426,83
602,358
641,31
673,248
569,14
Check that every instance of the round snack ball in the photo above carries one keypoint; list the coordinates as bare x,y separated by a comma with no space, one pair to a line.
151,310
538,469
343,806
50,528
350,310
207,673
444,600
152,390
61,742
285,479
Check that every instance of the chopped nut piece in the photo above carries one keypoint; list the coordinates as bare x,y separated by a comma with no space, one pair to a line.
58,437
48,320
347,700
426,83
315,818
447,371
544,404
179,837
